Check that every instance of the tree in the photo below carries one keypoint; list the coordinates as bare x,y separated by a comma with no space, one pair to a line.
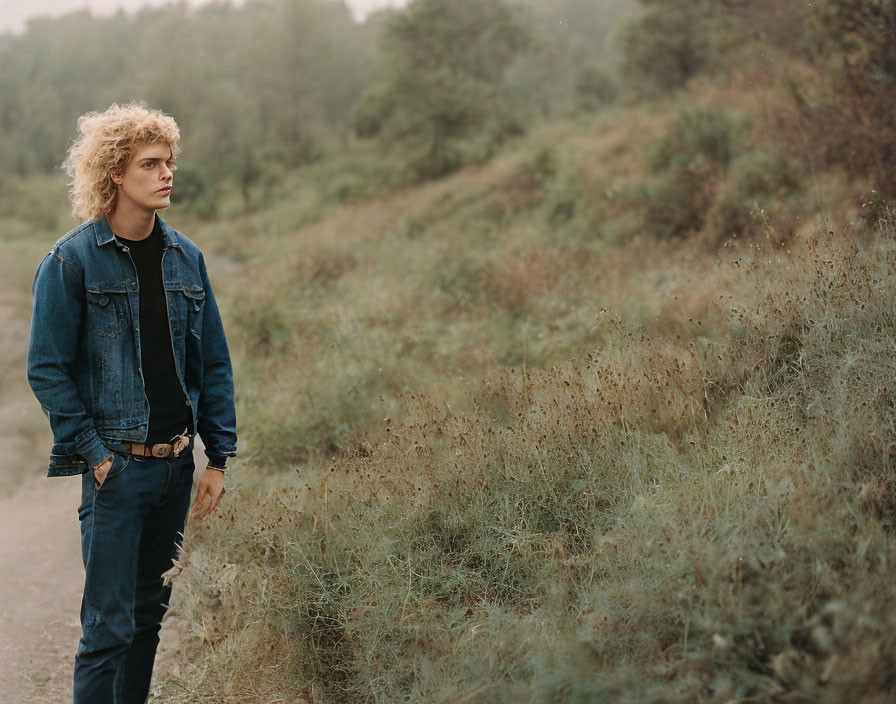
569,66
667,44
670,41
278,78
439,98
854,116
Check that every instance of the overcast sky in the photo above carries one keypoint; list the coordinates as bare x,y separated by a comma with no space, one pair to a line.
13,13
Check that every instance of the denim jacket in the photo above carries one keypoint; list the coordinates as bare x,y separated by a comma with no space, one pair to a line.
84,352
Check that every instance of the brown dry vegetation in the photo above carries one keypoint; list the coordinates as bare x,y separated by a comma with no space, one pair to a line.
503,444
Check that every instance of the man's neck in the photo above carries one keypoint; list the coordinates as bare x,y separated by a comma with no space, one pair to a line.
133,225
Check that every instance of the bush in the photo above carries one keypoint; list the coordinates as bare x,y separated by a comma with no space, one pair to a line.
594,89
758,182
677,201
688,164
666,44
196,189
701,136
848,112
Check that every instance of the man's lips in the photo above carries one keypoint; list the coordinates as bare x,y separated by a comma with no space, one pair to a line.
164,190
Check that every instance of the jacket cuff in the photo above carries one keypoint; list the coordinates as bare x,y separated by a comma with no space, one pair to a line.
91,448
218,461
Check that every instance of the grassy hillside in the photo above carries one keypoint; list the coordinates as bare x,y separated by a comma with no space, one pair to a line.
28,228
510,436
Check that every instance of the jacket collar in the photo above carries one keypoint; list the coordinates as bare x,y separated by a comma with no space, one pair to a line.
104,234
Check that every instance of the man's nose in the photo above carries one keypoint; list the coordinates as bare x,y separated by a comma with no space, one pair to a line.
167,173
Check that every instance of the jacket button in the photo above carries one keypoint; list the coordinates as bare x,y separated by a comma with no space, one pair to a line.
133,286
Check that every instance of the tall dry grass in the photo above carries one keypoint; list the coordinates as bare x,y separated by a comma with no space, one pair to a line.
499,445
697,509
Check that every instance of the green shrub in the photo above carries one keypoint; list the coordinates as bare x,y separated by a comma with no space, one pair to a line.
595,88
689,162
676,202
758,182
700,136
846,111
196,189
666,45
571,204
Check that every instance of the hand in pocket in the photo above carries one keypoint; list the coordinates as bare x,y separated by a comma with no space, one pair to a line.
100,473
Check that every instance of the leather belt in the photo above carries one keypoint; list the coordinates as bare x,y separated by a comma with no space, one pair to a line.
160,449
178,444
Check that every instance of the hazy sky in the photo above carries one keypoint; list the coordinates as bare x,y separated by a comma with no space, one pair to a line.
13,13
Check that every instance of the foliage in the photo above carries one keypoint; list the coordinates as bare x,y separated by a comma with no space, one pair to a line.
708,177
570,66
195,189
843,106
667,44
671,41
758,181
439,97
847,112
285,94
699,136
594,88
689,163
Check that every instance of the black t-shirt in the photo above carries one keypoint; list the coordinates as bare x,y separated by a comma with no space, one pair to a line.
169,414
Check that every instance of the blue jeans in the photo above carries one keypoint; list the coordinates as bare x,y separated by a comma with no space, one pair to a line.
131,528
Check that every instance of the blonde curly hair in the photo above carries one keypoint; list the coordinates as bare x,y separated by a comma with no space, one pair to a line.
104,146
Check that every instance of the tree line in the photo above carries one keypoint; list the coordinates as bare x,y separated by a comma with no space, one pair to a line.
278,84
287,81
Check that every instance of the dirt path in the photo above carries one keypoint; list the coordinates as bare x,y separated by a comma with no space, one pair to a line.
41,581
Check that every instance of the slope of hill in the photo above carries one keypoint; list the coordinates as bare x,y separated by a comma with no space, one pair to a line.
512,435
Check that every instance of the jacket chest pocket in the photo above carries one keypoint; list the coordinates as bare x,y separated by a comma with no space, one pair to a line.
193,304
107,312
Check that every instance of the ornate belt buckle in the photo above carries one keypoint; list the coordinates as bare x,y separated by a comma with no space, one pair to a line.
161,450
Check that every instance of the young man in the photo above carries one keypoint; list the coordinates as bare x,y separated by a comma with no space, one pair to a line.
129,361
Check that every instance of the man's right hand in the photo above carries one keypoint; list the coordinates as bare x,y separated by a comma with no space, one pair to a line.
99,473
